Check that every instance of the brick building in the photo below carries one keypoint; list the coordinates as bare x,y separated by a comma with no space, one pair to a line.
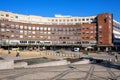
18,30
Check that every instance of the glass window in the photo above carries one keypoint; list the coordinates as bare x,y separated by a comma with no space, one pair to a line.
2,30
33,32
29,36
52,28
21,27
29,27
2,24
25,32
33,28
21,36
7,15
12,30
7,30
2,14
41,32
100,26
49,37
17,26
41,36
33,36
45,28
12,35
49,32
45,32
29,32
12,25
83,19
17,31
21,31
37,28
16,16
41,28
25,27
49,29
37,32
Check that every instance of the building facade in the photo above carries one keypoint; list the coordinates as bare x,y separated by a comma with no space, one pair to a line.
60,31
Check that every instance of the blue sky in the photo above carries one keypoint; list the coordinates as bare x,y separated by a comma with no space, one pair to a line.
49,8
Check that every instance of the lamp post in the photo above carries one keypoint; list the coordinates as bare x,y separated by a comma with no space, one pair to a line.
0,41
8,45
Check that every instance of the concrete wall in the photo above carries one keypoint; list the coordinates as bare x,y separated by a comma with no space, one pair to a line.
20,65
84,61
53,63
6,64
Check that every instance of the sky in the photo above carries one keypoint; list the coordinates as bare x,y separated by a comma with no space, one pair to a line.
48,8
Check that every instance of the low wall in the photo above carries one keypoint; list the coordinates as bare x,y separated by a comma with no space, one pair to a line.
53,63
6,64
20,65
84,61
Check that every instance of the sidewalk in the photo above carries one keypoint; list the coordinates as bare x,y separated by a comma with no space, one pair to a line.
26,55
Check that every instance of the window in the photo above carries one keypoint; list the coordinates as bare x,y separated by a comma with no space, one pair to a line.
2,14
7,15
25,32
37,28
60,37
2,35
100,31
7,30
87,32
29,36
25,27
52,28
49,32
21,36
83,19
2,24
87,19
105,20
29,28
45,32
12,25
21,31
17,31
17,26
16,16
33,28
41,28
49,29
2,30
45,28
49,37
33,36
12,30
41,32
91,32
21,27
33,32
100,42
7,26
29,32
100,26
12,35
41,36
37,32
68,38
75,19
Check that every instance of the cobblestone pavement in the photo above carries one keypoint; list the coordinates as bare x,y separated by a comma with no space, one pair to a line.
69,72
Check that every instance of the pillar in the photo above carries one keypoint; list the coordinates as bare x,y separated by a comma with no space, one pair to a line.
98,48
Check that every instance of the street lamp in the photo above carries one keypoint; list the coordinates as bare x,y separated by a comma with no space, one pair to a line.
8,45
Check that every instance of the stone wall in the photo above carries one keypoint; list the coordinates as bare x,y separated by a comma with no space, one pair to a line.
6,64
